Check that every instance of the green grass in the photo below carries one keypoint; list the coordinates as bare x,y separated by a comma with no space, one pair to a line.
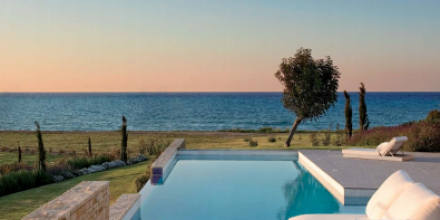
17,205
12,157
122,181
109,141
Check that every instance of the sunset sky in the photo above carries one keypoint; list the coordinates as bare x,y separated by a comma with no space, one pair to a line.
232,45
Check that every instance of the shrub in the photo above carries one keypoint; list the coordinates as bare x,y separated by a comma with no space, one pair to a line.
142,146
253,143
265,129
141,181
314,140
23,180
73,152
422,136
339,140
247,139
115,155
58,169
326,139
77,163
5,149
433,117
272,139
156,147
9,168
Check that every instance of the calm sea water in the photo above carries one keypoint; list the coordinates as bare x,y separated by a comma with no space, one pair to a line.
194,111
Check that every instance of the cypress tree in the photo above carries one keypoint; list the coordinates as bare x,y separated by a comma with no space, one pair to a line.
124,139
348,115
90,148
41,150
19,152
364,122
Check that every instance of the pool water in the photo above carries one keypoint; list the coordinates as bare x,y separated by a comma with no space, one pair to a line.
229,189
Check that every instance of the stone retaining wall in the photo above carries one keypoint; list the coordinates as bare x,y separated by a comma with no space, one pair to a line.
125,207
87,200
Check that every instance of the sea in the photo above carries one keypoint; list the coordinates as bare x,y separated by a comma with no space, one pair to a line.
196,111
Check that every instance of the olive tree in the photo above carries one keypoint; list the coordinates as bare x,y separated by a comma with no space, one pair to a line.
310,86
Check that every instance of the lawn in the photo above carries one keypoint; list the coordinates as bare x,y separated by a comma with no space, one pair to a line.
17,205
108,141
12,157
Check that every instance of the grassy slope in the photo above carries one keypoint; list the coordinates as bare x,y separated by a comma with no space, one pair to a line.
17,205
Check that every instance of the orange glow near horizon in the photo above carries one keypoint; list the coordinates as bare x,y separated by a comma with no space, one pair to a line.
80,47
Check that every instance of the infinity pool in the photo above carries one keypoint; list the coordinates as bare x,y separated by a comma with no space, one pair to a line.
237,189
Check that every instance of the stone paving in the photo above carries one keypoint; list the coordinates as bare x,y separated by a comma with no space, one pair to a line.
369,174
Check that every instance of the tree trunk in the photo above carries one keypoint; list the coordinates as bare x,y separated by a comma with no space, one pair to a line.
292,131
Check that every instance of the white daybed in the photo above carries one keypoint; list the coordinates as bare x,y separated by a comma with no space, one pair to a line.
396,199
388,151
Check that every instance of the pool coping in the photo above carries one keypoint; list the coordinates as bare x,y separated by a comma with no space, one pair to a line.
345,195
162,167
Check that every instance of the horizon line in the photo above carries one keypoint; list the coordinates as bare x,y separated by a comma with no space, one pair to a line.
107,92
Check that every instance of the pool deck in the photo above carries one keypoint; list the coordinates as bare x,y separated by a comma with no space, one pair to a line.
361,178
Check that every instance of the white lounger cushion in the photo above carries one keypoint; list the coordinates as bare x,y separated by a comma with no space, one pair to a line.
416,202
378,148
330,217
393,146
387,193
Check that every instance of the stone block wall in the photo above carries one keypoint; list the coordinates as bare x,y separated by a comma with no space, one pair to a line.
87,200
125,207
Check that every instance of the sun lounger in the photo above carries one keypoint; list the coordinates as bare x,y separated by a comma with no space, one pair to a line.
388,151
396,199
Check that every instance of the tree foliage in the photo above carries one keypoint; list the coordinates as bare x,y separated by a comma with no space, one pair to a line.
124,144
19,152
41,150
364,122
348,115
310,86
90,148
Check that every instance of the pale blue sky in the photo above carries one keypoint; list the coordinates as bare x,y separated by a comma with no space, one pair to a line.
214,45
